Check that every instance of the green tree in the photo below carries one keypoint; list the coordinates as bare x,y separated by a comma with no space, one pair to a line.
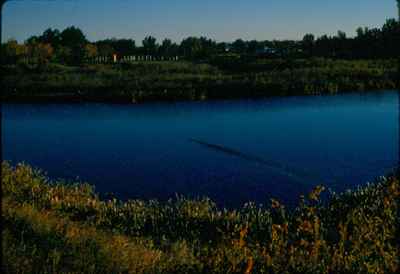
122,47
150,45
341,35
63,55
166,47
208,47
52,37
72,37
191,47
239,46
75,40
253,46
308,44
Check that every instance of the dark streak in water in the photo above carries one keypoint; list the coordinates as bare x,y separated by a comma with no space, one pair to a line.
287,171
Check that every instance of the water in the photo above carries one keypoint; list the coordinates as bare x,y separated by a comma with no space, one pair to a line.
145,151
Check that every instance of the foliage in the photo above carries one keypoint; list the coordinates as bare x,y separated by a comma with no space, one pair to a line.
150,45
90,51
118,46
40,52
51,227
374,43
72,37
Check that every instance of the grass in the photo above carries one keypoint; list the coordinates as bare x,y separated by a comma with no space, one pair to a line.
50,227
150,81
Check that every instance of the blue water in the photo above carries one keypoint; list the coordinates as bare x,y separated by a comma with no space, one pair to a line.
144,151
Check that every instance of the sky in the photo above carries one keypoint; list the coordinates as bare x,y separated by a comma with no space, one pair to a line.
221,20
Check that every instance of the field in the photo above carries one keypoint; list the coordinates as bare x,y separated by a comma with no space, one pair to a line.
55,227
219,78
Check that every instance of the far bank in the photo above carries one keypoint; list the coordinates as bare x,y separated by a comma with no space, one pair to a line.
138,82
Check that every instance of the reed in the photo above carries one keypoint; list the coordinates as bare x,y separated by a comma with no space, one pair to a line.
160,81
53,227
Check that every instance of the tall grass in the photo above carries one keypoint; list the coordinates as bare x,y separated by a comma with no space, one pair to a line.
140,82
51,227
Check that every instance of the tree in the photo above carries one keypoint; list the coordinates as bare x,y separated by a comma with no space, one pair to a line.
398,8
323,46
104,49
64,55
90,51
33,39
123,47
75,40
308,44
208,48
150,45
222,47
14,51
165,48
390,38
360,32
341,35
10,49
72,37
253,46
52,37
239,46
40,53
342,45
191,47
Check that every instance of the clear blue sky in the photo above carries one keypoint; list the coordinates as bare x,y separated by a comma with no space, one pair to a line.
221,20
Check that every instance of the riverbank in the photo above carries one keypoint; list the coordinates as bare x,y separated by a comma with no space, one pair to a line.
50,227
173,81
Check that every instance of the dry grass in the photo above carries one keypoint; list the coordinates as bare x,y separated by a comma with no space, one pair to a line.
56,228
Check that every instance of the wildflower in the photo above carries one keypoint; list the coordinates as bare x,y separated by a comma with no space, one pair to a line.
314,195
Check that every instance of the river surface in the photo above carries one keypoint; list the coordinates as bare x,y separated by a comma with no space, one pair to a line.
231,151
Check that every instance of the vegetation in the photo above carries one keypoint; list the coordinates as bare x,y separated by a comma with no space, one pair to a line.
64,65
147,81
50,227
70,46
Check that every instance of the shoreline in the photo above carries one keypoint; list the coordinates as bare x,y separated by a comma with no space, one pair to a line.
72,227
74,98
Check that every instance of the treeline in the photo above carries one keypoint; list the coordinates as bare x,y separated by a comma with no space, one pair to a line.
71,46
